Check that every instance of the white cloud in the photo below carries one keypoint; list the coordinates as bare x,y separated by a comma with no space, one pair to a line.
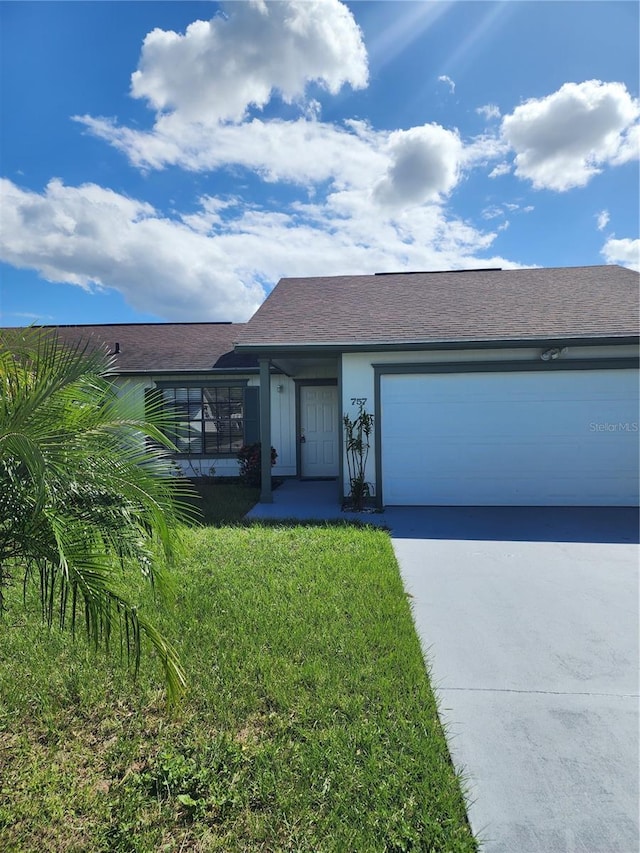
202,126
91,236
482,149
563,140
493,212
625,252
425,164
602,219
209,263
496,211
443,78
489,111
629,146
378,196
402,167
500,169
220,68
300,151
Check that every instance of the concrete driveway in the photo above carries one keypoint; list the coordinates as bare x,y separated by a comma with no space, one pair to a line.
529,620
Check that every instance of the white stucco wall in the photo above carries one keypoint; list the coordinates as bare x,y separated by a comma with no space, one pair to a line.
358,374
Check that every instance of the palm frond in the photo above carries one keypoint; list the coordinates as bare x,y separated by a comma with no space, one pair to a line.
86,491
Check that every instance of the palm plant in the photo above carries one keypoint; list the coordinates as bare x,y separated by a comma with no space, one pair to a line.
357,434
86,493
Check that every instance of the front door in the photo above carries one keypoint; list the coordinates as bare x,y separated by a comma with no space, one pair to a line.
319,431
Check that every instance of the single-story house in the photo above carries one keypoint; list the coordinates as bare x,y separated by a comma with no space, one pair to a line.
487,387
193,367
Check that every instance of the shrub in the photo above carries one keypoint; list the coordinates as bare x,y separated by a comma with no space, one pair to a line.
250,458
357,433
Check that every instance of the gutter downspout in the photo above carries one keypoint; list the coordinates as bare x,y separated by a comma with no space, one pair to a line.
266,496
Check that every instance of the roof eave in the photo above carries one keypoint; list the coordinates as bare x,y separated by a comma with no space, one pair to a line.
445,343
154,371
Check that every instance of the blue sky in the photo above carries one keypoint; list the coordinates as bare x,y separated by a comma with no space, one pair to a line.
172,160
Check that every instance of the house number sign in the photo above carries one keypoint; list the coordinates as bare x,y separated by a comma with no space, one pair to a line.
358,401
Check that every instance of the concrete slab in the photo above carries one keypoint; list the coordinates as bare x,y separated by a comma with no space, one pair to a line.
533,650
516,523
309,500
550,772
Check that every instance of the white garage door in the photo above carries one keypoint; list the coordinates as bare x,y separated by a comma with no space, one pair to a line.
529,439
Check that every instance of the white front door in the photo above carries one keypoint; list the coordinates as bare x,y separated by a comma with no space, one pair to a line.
319,431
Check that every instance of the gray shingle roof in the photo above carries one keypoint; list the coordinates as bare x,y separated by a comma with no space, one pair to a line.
428,307
160,347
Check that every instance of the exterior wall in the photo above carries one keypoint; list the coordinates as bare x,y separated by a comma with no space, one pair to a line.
282,415
134,390
283,411
283,423
358,382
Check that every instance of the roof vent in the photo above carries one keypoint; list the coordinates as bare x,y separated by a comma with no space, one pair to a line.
440,272
116,348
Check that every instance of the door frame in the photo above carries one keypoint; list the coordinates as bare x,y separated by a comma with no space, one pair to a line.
299,384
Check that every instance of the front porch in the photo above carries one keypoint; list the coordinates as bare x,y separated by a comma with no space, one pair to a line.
301,416
309,500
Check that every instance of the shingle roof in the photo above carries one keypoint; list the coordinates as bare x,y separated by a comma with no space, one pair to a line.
160,347
573,302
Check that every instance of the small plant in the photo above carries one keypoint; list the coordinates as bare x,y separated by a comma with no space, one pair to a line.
250,458
357,434
193,472
206,475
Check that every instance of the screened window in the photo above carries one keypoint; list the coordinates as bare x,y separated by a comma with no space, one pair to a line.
209,420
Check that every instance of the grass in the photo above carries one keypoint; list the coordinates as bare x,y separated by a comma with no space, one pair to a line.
309,726
224,502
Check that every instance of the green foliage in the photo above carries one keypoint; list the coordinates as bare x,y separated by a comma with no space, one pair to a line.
250,459
357,433
86,494
309,724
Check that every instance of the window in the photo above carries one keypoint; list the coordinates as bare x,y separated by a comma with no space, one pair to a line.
209,421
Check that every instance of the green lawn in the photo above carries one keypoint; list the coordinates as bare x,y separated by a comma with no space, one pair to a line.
224,503
309,724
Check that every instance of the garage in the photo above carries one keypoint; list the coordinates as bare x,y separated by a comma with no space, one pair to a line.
522,438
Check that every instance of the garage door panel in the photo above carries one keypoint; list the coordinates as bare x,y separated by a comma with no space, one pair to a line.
589,386
521,492
493,418
566,438
518,458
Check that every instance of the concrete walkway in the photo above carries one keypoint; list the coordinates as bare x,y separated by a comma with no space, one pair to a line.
530,625
309,500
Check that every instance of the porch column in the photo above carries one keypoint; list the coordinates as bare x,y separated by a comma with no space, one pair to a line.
266,496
